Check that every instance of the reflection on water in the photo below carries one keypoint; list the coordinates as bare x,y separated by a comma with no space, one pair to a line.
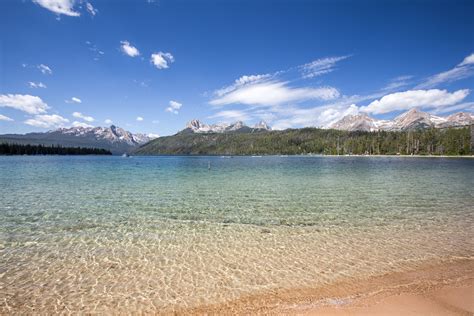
155,233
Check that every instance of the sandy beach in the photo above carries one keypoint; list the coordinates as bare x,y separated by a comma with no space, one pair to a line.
443,289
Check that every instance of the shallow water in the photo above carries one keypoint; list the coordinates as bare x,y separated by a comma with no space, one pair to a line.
159,233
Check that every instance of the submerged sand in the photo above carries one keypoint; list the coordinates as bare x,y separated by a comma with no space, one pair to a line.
441,289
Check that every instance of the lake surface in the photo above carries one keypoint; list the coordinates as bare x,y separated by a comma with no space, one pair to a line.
159,233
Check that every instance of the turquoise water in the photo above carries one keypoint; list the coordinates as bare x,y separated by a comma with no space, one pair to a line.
157,233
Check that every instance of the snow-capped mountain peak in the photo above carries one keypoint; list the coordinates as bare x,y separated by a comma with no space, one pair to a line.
358,122
410,120
262,125
197,126
111,134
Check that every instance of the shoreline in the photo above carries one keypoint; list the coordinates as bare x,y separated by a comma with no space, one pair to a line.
257,156
303,155
441,289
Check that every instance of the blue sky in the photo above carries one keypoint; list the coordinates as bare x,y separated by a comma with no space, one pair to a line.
151,66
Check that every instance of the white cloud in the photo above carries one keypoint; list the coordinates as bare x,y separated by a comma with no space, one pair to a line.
242,81
47,121
466,106
397,82
232,115
463,70
433,98
108,121
320,116
155,121
248,79
73,100
23,102
81,124
5,118
162,60
174,107
320,66
270,93
44,69
36,84
65,7
139,118
469,60
128,49
151,135
83,117
93,11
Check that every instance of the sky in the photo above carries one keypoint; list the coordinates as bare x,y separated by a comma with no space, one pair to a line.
150,66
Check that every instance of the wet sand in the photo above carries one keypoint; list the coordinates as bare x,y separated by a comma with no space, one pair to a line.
442,289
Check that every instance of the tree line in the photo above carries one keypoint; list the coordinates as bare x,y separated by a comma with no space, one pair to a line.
449,141
17,149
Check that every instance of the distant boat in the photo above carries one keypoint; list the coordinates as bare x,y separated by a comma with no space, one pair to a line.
125,155
255,156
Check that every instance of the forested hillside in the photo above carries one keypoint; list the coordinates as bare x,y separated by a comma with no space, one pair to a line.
449,141
16,149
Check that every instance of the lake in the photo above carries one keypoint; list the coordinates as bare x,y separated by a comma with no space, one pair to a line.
112,234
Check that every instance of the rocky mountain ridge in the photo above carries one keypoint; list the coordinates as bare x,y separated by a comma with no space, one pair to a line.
112,134
410,120
196,126
113,138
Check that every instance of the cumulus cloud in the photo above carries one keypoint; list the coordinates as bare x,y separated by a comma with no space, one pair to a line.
320,116
108,121
151,135
161,60
36,85
73,100
174,107
59,7
5,118
320,66
139,118
23,102
83,117
269,93
129,49
433,98
463,70
45,70
47,121
92,11
81,124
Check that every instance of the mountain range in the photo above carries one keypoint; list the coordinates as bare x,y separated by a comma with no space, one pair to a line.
112,138
196,126
411,120
119,141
